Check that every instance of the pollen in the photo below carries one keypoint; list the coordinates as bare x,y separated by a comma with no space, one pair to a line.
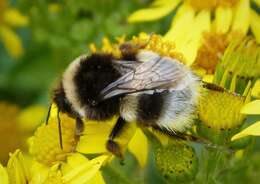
45,144
210,52
108,46
211,4
220,110
157,44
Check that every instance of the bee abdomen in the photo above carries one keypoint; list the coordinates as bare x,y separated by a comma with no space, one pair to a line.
178,112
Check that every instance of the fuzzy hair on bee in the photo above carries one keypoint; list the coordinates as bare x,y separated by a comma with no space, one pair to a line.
141,86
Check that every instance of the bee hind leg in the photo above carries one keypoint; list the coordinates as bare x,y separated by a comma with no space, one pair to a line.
112,145
79,126
180,135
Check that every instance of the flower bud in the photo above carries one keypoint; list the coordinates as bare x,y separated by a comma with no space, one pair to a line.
177,161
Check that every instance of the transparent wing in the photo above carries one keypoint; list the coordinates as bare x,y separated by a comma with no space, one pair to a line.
157,73
125,66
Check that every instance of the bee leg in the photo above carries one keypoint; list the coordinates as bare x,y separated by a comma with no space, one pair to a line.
180,135
212,86
111,145
188,137
48,114
79,126
59,128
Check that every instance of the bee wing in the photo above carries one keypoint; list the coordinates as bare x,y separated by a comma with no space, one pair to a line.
125,66
157,73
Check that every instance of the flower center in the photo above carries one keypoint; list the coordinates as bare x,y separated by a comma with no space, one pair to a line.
211,4
211,50
45,144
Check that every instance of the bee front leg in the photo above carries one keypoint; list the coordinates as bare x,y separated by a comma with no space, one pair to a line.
79,126
111,145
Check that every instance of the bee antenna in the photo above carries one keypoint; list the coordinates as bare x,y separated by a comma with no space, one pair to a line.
212,86
59,127
48,114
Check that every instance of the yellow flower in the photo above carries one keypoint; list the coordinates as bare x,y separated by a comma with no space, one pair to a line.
254,129
177,161
216,107
11,17
17,168
223,110
77,169
193,18
45,144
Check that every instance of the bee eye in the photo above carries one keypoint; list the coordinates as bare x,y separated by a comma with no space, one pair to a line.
92,102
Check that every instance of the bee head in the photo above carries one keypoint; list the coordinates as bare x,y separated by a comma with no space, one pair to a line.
83,81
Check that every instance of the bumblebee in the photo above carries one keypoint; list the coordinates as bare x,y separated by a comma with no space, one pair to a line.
140,86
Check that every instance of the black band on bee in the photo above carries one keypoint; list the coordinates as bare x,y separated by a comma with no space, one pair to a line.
94,74
150,108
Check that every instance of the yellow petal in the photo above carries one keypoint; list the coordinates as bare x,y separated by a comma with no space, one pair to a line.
241,17
190,45
256,89
255,24
11,41
85,171
39,172
139,147
31,116
254,129
96,135
156,11
13,17
251,108
17,169
3,175
180,32
97,179
179,27
223,19
76,160
208,78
